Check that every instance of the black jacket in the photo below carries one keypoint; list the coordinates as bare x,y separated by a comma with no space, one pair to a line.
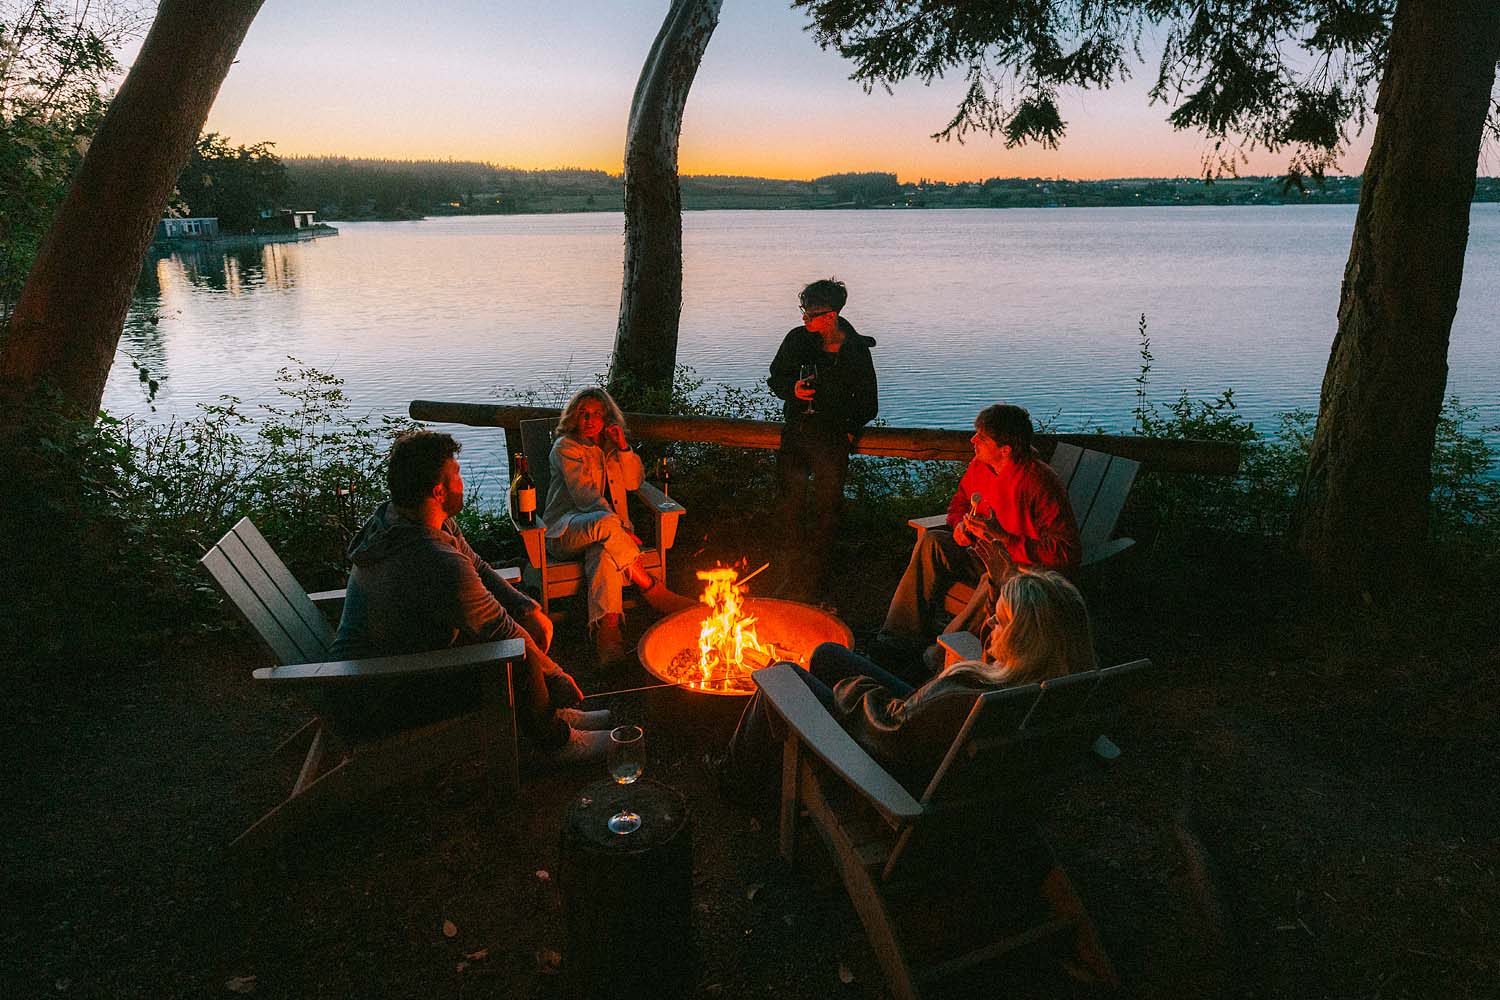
847,397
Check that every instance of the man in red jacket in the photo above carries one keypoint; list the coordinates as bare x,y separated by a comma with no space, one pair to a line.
1011,511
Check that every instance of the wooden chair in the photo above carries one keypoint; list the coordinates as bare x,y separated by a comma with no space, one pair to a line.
959,876
344,765
1098,486
564,578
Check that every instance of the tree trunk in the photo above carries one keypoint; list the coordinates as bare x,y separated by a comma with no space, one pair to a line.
67,322
1361,514
651,296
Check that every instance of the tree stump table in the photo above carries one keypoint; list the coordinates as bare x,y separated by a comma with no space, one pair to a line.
627,898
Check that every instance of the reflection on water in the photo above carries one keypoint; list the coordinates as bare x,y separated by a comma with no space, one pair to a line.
234,269
1038,307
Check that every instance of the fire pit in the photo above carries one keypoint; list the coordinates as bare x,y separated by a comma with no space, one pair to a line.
711,649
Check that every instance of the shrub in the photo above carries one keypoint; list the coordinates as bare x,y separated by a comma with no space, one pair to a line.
113,516
1257,501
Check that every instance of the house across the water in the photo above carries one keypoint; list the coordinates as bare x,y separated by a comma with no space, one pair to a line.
276,225
188,229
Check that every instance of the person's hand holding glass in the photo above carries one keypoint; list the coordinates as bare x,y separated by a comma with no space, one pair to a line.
806,376
989,545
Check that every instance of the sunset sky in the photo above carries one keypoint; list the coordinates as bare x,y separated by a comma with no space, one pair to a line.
549,85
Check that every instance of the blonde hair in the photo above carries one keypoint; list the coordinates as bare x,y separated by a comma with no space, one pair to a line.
1041,631
568,422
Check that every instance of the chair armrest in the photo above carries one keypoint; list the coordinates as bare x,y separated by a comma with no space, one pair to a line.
408,665
535,541
961,646
925,524
791,699
664,510
328,595
510,574
1113,547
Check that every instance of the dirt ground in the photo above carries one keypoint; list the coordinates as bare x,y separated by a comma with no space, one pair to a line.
1300,811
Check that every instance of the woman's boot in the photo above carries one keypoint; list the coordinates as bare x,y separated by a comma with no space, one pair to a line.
609,643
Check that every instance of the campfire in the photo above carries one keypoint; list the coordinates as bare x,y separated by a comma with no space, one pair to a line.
714,647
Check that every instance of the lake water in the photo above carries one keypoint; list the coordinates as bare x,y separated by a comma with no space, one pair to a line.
1037,307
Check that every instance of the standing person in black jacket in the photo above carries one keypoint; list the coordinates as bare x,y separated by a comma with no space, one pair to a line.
824,372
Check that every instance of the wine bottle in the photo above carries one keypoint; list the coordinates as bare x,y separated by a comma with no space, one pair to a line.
523,493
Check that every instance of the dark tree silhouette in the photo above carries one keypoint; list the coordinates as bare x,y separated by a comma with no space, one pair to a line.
67,322
645,353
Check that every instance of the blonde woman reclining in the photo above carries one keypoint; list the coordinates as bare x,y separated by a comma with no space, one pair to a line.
1041,630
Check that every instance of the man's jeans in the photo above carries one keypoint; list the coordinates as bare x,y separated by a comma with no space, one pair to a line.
937,561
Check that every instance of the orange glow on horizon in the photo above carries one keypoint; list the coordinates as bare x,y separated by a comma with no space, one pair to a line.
772,164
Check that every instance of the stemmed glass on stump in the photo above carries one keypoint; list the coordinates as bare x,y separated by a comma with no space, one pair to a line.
627,762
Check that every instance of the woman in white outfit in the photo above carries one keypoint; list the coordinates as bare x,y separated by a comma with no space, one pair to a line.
593,469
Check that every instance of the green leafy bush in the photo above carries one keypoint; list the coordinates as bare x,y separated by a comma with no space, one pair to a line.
113,516
1257,501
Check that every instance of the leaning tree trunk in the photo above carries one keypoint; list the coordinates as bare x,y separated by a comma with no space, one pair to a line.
1361,514
651,296
72,308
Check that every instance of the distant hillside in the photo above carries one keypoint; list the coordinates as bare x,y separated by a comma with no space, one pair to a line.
342,188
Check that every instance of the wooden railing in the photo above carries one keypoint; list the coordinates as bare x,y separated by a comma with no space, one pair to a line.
1157,454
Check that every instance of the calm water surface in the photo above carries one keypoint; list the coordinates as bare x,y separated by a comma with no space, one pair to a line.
1037,307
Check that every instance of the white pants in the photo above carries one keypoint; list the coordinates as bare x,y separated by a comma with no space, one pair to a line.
607,550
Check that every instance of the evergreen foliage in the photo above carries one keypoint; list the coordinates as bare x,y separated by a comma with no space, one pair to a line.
1292,75
235,184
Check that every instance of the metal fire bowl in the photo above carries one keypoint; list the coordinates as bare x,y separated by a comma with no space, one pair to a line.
795,629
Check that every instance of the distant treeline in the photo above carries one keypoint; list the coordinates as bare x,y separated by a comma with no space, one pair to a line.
342,188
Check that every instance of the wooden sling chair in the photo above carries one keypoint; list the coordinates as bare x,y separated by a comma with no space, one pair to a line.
563,578
344,763
951,881
1098,486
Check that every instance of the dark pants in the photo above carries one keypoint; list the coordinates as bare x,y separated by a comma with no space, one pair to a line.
810,469
751,766
381,709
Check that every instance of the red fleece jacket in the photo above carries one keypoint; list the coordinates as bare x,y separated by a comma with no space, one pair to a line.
1029,500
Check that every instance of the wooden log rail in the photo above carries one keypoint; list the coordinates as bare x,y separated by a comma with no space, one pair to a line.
1213,458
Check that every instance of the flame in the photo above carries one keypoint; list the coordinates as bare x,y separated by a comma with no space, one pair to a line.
728,648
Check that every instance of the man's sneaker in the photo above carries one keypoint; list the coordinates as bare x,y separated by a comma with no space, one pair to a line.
584,746
579,719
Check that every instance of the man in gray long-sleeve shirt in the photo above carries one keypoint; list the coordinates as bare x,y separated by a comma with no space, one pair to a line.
417,585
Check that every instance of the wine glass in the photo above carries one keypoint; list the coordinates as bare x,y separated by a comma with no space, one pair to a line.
808,373
627,761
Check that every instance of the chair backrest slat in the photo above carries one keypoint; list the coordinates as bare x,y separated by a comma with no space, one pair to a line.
1084,486
536,442
250,607
1064,460
1062,699
285,583
1116,684
1097,526
1015,740
268,596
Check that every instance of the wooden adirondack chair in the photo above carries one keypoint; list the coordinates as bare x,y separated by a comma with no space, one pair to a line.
959,876
1098,486
564,578
344,765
